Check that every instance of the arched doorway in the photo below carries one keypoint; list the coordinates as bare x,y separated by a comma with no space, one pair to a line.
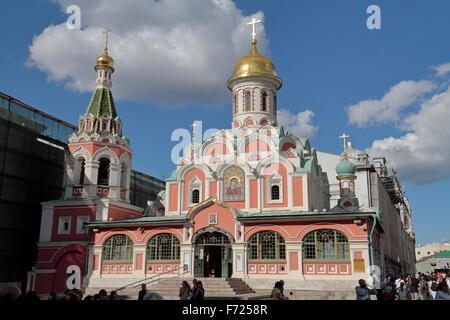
213,256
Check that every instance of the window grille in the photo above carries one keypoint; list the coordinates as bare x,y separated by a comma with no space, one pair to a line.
325,244
212,238
264,101
267,245
275,192
164,246
247,101
118,248
195,196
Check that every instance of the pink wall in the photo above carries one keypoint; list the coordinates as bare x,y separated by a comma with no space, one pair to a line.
73,211
296,231
173,197
254,193
213,188
122,213
298,191
225,218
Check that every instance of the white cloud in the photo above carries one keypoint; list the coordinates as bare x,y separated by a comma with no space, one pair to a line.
298,124
173,52
388,109
442,69
422,155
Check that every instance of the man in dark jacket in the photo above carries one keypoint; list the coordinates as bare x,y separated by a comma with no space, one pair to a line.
142,292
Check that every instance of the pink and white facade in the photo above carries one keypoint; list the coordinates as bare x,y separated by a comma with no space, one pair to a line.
251,202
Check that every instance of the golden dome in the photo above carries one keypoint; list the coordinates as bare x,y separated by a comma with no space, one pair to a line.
105,60
254,64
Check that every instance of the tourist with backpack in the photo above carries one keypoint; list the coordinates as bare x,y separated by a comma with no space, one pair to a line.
390,290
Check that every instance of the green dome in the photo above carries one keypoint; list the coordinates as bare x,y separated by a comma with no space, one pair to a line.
345,167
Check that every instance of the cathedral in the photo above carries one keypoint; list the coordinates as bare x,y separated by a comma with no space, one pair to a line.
251,202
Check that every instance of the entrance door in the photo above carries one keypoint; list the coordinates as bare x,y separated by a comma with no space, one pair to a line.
212,255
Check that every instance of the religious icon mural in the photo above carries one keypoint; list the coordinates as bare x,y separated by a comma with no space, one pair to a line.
234,184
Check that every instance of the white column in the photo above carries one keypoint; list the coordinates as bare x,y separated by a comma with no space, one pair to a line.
239,265
181,196
247,192
290,191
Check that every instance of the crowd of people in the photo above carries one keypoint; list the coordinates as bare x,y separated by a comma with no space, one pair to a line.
421,286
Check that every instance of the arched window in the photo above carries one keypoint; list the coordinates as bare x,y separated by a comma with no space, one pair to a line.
79,171
123,176
326,244
264,101
118,248
195,196
266,245
247,101
235,103
275,193
82,171
103,172
274,103
105,125
164,246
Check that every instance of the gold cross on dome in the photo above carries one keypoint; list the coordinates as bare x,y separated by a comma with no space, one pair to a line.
344,136
253,24
106,32
194,125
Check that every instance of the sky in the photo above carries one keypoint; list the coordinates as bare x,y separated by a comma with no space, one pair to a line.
387,88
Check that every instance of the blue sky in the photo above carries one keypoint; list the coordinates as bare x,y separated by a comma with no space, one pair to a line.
326,56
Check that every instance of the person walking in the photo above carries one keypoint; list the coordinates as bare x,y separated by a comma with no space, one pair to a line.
282,290
390,289
142,292
423,288
414,287
402,292
276,291
363,292
198,293
433,286
113,296
103,295
185,291
398,281
442,291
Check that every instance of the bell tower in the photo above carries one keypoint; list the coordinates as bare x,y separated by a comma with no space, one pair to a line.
346,175
98,159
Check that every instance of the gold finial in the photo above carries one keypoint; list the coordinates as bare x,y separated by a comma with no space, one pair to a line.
106,32
194,125
344,136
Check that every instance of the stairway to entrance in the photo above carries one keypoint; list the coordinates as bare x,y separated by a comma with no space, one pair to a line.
169,288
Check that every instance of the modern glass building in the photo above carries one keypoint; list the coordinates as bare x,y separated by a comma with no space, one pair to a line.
32,147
